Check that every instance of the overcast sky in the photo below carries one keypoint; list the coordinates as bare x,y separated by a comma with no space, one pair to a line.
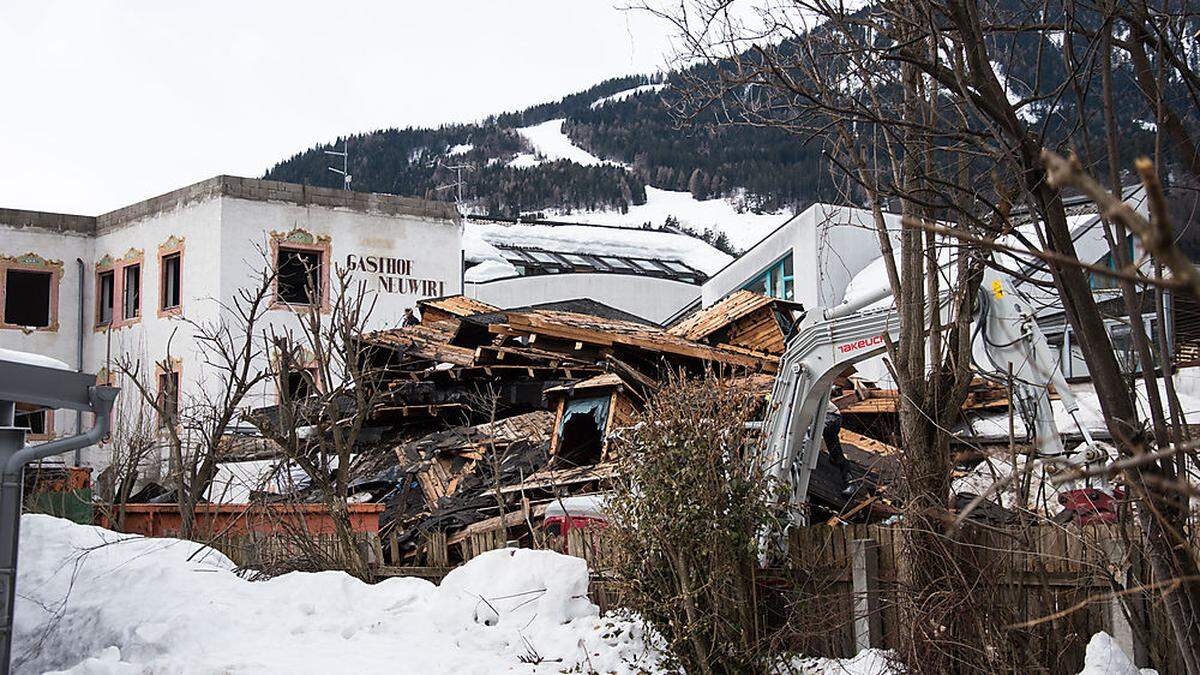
107,103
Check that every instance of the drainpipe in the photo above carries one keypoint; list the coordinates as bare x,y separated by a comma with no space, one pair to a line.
79,358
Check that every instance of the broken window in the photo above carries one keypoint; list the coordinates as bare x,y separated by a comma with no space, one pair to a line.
131,292
27,298
301,383
299,276
581,430
168,398
171,267
104,299
36,423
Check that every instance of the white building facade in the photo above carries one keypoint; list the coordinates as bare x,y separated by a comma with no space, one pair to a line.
130,283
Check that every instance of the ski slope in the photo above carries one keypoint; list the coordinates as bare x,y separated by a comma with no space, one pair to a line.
719,215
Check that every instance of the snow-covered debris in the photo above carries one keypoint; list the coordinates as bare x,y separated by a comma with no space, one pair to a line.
551,144
622,95
1105,657
635,243
30,359
94,601
995,425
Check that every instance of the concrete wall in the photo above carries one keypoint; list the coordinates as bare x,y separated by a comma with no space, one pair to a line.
650,298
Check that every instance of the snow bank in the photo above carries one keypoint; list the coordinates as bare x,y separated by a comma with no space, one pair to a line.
1105,657
31,359
94,601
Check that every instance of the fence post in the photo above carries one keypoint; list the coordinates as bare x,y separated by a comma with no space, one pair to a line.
864,555
1118,621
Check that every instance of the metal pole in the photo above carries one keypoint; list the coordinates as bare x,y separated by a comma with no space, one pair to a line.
13,457
12,439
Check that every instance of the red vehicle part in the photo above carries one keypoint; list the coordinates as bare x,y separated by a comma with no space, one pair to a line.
560,525
1092,505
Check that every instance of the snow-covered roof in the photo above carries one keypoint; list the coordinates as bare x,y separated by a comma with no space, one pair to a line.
483,240
30,359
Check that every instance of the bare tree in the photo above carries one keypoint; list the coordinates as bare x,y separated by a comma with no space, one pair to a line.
194,427
318,423
911,102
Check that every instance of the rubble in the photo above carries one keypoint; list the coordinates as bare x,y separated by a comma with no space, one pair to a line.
489,415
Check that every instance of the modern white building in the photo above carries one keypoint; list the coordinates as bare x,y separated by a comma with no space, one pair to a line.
88,290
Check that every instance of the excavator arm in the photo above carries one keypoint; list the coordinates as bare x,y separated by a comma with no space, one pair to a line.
826,342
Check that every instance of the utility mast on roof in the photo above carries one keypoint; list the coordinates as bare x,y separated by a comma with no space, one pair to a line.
344,153
458,182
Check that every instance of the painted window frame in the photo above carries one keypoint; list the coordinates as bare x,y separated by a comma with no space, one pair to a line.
764,278
302,240
133,257
173,246
32,262
305,361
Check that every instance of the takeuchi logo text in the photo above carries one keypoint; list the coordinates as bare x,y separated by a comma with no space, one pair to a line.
394,275
860,344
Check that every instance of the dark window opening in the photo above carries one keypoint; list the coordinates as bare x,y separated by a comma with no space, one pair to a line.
301,384
554,529
581,441
34,422
27,298
581,432
299,276
170,280
131,294
105,289
168,398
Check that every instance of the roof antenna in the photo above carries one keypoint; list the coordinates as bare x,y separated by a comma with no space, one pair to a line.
458,181
344,153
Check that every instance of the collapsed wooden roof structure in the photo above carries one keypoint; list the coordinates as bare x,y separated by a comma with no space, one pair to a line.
489,410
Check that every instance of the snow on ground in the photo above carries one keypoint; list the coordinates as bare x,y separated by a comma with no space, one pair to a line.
603,241
551,144
743,229
866,662
460,149
1105,657
31,359
622,95
98,602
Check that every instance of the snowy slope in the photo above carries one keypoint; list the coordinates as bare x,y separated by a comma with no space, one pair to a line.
94,601
743,229
551,144
622,95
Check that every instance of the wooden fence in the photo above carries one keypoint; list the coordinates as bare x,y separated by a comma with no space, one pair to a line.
1046,589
